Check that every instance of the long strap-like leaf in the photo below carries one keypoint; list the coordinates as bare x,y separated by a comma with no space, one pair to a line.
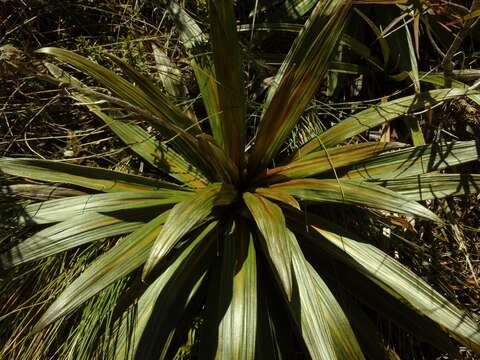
326,160
377,115
66,235
129,254
184,217
143,143
402,283
434,186
84,176
351,192
413,161
324,326
229,76
231,323
298,78
271,223
158,310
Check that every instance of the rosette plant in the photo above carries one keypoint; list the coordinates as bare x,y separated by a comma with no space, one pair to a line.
241,245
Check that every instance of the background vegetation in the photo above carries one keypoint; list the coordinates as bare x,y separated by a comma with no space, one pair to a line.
377,57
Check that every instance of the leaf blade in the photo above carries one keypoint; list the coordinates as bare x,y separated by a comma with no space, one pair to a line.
271,223
184,217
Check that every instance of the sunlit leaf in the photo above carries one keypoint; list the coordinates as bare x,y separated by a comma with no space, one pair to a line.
377,115
271,223
68,234
403,284
298,78
128,254
351,192
184,217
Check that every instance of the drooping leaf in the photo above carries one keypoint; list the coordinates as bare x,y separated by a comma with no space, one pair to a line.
127,255
84,176
324,326
298,78
233,321
355,193
68,234
271,223
403,284
184,217
160,307
63,209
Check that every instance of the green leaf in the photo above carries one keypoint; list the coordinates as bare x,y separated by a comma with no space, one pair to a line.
84,176
351,192
414,161
404,285
271,223
326,160
139,140
145,96
184,217
63,209
172,290
68,234
229,75
434,186
235,308
375,116
324,326
170,120
298,78
127,255
226,170
280,196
